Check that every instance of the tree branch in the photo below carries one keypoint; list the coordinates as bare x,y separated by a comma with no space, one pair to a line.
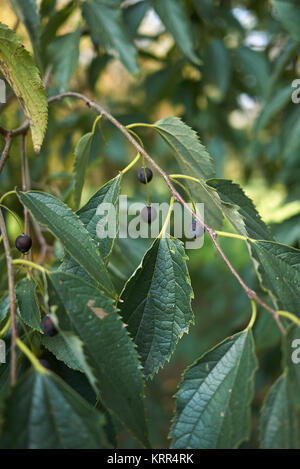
251,294
8,135
5,153
11,288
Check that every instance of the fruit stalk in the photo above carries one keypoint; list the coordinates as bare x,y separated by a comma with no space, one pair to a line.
25,179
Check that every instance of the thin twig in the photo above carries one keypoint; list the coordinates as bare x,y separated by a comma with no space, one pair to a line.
16,25
47,76
5,153
22,129
11,288
25,179
8,135
251,294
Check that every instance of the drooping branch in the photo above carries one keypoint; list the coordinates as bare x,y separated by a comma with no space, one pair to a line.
12,301
175,194
122,129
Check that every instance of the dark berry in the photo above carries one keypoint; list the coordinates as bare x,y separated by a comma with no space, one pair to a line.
23,243
148,214
45,364
142,177
48,327
196,229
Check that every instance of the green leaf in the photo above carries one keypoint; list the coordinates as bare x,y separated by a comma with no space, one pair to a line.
161,82
291,141
266,333
19,70
279,272
64,64
213,401
157,303
278,423
217,65
82,152
108,348
4,307
49,30
89,215
66,347
206,10
287,54
42,412
288,13
291,353
277,265
193,160
255,67
57,309
134,14
98,64
108,30
46,8
27,13
4,379
272,107
67,227
186,143
239,209
29,310
173,15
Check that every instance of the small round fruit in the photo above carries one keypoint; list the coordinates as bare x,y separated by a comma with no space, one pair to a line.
48,326
45,364
23,243
196,229
148,214
141,175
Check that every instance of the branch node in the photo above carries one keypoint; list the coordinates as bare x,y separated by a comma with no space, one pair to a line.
251,294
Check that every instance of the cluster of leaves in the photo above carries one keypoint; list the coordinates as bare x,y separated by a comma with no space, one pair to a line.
218,70
106,349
